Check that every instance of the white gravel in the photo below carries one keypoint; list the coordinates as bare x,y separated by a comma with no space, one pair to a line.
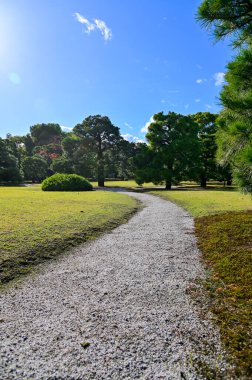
125,295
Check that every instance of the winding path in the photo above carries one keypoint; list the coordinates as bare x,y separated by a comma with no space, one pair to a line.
115,308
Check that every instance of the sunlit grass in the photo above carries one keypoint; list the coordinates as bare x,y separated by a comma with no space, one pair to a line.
35,225
129,184
204,202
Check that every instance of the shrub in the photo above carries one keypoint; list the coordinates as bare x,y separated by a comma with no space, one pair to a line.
66,182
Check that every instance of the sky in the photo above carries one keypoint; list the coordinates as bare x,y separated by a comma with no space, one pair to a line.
62,60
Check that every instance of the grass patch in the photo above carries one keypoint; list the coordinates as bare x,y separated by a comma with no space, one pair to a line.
206,202
226,243
130,184
223,224
36,225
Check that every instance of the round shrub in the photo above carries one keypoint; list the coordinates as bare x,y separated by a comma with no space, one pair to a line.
66,182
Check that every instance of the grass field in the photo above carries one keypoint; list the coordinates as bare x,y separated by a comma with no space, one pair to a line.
37,225
206,202
223,225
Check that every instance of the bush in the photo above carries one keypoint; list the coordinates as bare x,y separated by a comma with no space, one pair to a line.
66,182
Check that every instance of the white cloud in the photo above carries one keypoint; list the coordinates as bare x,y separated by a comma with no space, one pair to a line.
199,67
128,125
197,100
201,80
145,128
132,138
105,31
219,78
208,106
96,25
66,129
187,106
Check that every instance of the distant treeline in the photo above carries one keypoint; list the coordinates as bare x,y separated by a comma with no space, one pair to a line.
178,148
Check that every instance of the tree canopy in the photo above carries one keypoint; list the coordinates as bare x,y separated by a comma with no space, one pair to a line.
98,135
173,146
227,17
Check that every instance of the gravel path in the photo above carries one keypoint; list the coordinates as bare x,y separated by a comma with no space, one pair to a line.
115,308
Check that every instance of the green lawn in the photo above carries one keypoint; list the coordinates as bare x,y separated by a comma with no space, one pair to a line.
130,184
223,225
37,225
206,202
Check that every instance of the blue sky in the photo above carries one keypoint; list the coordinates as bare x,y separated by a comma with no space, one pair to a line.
61,61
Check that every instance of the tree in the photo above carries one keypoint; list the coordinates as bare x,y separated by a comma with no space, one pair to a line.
35,168
207,165
147,165
227,17
29,144
9,169
234,136
173,140
98,135
62,165
44,134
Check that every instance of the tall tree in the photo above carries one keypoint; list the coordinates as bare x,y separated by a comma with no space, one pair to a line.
99,136
173,139
227,17
234,136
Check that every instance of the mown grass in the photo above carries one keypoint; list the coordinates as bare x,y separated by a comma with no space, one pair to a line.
37,225
127,184
223,225
206,202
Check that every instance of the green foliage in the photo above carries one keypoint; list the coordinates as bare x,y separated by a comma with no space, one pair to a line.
44,134
173,150
234,136
227,17
148,167
38,225
62,165
66,182
9,169
98,135
208,168
35,168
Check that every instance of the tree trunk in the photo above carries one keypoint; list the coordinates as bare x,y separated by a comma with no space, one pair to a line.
168,184
100,166
203,181
100,174
229,182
